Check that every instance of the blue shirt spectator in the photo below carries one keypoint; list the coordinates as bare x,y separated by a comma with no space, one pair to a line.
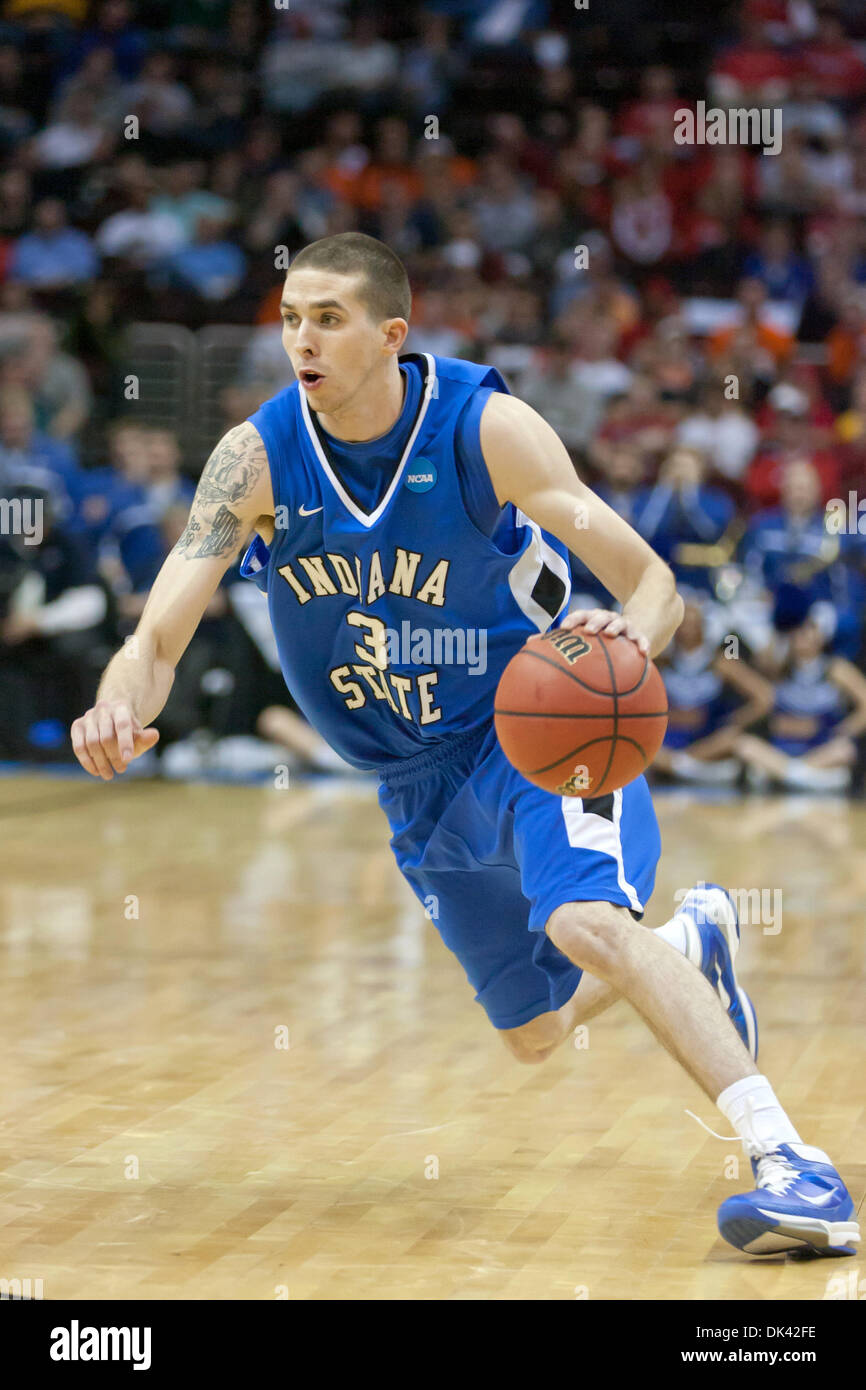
53,254
29,459
682,510
211,266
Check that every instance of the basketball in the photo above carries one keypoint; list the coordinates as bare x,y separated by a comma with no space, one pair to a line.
580,714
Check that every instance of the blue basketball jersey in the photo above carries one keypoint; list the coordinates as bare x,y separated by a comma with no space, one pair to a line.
393,625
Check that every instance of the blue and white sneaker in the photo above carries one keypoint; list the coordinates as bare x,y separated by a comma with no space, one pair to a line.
800,1201
712,941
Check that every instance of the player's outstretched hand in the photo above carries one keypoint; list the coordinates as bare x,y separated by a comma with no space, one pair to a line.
614,624
107,738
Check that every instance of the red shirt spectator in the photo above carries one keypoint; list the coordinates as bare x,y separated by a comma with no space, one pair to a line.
754,64
833,63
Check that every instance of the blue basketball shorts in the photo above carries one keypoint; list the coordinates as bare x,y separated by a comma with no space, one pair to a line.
490,856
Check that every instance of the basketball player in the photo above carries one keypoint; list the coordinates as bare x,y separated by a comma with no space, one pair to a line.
411,495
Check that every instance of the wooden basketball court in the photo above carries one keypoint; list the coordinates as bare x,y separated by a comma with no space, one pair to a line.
239,1063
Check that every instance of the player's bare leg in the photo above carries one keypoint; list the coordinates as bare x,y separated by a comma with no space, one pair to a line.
534,1041
682,1010
799,1198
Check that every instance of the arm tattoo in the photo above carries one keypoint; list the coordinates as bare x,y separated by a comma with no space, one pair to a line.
188,536
230,475
222,539
231,472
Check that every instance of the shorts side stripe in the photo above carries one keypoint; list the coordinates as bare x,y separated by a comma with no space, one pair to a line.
585,830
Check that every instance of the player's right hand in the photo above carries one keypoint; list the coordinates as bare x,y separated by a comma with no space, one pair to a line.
107,738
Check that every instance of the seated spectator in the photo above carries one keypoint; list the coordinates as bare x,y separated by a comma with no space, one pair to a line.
776,263
54,255
53,636
79,136
712,699
596,367
57,383
165,485
622,489
184,197
790,545
636,417
31,459
119,518
753,70
433,328
551,388
791,437
682,517
138,235
503,206
722,431
818,714
212,266
756,334
832,60
164,105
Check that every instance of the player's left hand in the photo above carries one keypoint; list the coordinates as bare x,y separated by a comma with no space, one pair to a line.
614,624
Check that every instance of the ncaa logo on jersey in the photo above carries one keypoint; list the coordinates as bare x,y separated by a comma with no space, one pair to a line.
421,476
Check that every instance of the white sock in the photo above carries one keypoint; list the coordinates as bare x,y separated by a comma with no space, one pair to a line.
752,1108
675,933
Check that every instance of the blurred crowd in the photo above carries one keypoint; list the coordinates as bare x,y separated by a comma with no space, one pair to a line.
691,318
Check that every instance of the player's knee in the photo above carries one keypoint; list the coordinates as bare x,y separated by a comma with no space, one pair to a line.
590,934
534,1041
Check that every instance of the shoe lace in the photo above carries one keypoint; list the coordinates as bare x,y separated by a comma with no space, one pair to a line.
775,1173
776,1164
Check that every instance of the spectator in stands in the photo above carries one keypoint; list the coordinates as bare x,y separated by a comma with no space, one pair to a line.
791,545
755,70
138,235
831,60
163,105
551,388
212,266
722,431
684,519
775,262
713,697
818,714
58,384
54,255
185,198
790,436
34,460
79,136
53,611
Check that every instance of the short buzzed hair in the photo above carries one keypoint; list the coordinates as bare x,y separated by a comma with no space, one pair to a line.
385,289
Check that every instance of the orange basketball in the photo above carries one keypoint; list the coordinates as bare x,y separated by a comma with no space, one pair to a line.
580,714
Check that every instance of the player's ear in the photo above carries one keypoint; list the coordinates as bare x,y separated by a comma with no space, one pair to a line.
396,331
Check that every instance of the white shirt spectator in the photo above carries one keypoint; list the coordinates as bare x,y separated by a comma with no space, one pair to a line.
728,440
606,378
139,237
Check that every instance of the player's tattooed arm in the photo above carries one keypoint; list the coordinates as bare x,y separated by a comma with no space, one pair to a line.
232,493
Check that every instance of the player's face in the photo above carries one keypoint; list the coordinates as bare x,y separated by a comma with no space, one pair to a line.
334,345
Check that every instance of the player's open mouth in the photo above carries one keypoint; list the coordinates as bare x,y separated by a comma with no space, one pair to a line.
310,378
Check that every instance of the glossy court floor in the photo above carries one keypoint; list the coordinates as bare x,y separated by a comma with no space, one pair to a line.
238,1062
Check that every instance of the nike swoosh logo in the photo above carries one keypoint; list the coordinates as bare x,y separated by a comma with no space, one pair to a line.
818,1201
302,511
